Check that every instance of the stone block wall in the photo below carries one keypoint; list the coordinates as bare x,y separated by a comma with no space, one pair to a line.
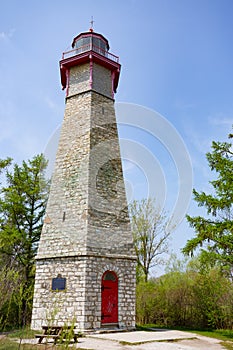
80,302
79,79
84,77
87,204
102,80
86,231
58,307
65,227
125,271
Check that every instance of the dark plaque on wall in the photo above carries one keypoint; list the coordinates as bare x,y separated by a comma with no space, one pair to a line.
59,283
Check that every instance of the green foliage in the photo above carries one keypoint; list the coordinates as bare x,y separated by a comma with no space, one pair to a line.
22,333
150,233
145,300
190,297
213,299
9,283
22,210
4,163
216,229
67,335
22,207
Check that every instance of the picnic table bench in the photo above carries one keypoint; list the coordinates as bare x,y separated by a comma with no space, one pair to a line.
57,332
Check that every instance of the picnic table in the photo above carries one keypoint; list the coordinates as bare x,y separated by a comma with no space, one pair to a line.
57,332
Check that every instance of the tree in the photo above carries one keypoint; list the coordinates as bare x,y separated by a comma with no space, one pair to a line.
215,231
186,296
150,233
4,164
22,208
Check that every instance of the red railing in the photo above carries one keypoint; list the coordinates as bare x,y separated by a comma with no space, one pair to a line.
89,47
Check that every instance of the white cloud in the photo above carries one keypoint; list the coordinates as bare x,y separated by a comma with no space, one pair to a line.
3,35
221,120
7,35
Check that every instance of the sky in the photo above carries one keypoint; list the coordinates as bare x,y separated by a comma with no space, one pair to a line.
176,58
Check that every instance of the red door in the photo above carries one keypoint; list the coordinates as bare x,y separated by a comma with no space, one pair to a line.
109,293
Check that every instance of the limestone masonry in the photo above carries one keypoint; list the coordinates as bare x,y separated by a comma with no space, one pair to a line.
85,265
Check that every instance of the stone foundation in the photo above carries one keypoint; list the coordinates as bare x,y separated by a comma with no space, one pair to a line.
80,302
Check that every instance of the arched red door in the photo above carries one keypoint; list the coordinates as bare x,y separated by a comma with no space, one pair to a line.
109,298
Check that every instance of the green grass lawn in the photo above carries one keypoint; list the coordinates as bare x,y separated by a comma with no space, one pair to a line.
226,335
223,334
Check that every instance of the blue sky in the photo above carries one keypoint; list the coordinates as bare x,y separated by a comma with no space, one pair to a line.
176,58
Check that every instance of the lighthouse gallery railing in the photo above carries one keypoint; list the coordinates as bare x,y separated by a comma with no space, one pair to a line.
90,47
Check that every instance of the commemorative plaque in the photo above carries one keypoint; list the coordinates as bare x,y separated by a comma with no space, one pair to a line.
59,283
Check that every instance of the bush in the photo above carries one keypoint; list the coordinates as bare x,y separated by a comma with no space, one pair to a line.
188,298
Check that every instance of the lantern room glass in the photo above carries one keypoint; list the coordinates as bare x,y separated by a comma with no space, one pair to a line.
86,43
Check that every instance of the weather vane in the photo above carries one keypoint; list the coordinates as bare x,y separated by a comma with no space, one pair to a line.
92,23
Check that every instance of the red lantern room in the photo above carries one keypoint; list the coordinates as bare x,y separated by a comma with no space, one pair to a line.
90,47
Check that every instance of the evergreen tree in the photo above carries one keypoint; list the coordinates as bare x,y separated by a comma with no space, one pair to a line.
215,231
4,164
22,208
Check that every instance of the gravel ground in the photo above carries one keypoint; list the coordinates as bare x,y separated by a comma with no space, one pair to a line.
164,340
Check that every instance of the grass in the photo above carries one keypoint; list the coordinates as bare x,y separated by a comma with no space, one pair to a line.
226,335
7,342
227,345
11,341
23,333
10,344
221,334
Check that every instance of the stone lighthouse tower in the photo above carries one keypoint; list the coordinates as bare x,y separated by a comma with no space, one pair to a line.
85,265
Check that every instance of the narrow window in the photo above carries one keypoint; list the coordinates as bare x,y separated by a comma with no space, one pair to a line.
109,276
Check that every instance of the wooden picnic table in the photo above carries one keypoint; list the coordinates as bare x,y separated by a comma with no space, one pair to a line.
57,332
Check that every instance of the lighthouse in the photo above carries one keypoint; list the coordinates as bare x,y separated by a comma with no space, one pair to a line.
85,264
